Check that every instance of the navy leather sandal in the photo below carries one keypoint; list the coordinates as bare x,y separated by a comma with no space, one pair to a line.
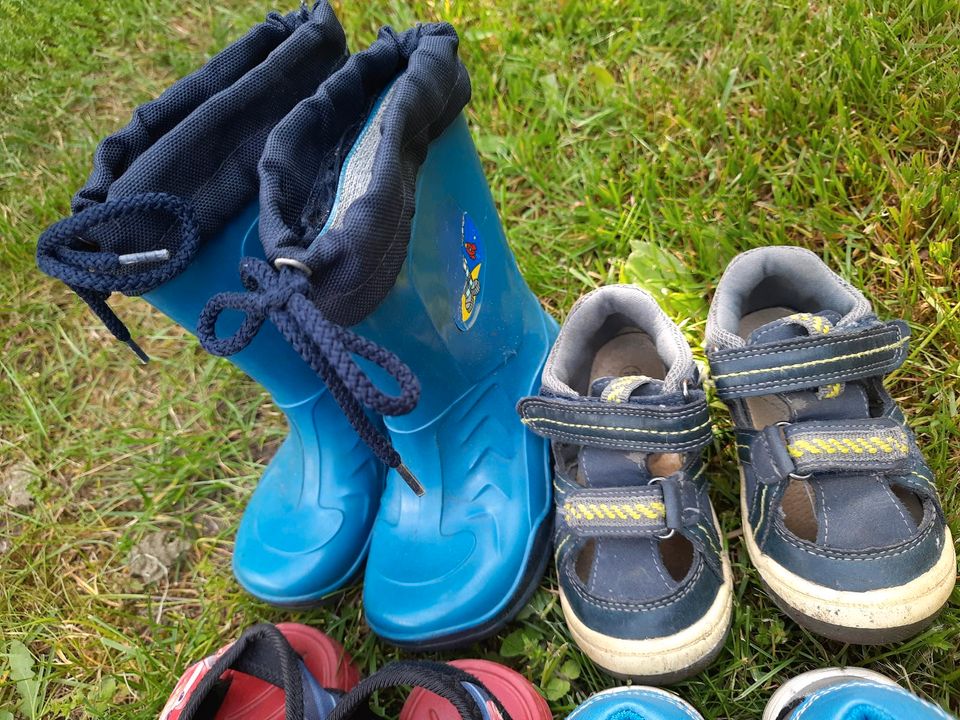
840,512
644,581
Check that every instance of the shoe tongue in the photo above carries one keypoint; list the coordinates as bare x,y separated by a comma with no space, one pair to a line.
807,404
626,388
794,326
600,467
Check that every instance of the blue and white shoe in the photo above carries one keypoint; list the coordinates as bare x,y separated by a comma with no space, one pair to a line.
635,703
645,583
840,511
848,694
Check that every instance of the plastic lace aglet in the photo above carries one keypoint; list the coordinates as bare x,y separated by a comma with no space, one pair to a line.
410,479
137,350
141,258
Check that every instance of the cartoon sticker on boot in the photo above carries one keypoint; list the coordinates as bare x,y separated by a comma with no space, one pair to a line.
472,252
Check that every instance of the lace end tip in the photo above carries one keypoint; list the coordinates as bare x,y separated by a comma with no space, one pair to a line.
411,480
142,258
137,350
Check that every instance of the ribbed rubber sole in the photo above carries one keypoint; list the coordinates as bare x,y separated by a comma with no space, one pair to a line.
518,697
793,692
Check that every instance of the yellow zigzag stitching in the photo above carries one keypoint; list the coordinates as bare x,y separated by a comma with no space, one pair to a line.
833,391
831,446
615,511
821,325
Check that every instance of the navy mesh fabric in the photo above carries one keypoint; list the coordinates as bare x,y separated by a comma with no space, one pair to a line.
187,161
154,119
341,273
356,264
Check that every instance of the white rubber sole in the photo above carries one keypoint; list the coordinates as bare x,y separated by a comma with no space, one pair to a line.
874,616
667,659
672,698
792,692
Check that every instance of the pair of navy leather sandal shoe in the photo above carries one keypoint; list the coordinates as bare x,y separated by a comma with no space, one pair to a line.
840,512
324,221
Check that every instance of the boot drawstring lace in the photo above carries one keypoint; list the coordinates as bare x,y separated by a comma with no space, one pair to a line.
283,296
280,295
94,274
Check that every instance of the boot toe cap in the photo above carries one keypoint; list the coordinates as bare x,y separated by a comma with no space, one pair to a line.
301,537
431,598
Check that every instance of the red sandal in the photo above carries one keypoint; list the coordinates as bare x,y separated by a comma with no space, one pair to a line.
519,698
271,672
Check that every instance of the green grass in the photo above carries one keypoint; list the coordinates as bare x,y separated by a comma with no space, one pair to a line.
679,130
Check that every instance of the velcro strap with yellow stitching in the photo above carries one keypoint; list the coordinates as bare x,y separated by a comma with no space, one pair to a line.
809,362
628,426
615,512
878,445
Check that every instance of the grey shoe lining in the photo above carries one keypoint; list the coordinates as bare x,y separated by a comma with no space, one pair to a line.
600,317
776,276
357,173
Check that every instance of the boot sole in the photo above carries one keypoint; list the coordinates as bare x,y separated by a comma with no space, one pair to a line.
873,617
663,660
529,583
519,698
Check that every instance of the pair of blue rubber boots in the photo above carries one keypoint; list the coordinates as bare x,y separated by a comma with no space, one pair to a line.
348,192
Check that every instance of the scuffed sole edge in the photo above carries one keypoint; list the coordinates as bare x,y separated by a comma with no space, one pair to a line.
793,692
874,617
662,660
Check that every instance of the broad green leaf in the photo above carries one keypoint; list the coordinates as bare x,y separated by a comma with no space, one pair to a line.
570,669
664,275
556,688
514,644
22,673
601,75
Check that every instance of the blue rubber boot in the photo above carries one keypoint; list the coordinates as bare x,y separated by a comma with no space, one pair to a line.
375,209
848,694
168,211
462,317
305,531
